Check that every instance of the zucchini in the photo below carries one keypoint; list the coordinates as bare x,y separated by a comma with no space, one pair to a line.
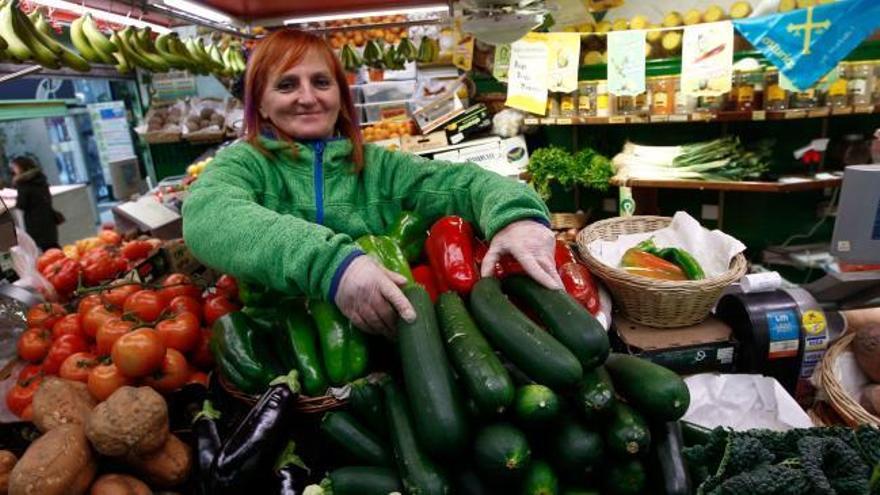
362,480
565,318
482,373
536,404
579,491
468,483
502,453
694,434
627,433
417,472
667,455
626,478
365,399
657,392
576,448
540,480
361,444
531,349
438,413
595,397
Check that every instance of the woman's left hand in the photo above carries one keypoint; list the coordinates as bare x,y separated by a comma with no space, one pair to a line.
533,245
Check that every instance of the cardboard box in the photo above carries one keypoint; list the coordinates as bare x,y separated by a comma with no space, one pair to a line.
180,258
473,121
416,144
148,216
506,157
706,347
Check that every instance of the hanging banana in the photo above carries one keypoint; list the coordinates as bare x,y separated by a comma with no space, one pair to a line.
42,31
96,39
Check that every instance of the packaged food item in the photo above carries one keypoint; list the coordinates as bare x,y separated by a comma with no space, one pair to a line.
587,98
662,91
860,76
568,104
776,98
837,90
603,100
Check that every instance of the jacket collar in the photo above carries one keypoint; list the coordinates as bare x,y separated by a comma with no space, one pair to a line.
27,176
336,151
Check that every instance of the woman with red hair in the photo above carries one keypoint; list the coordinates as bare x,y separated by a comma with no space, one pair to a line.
281,207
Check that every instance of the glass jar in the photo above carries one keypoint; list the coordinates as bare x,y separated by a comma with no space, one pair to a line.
603,100
742,94
859,78
552,106
875,94
587,99
568,104
805,100
837,91
684,104
662,90
710,104
775,97
624,105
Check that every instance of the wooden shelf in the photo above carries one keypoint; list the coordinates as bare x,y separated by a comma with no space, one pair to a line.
742,186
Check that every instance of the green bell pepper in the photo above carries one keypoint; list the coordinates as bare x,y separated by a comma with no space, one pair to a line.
244,354
685,260
343,348
385,250
410,231
302,345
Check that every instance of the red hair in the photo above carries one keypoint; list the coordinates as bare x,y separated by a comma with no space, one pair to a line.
276,54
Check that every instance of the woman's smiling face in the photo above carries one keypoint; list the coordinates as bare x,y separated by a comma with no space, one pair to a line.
303,102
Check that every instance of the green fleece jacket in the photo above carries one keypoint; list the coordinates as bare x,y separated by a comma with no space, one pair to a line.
288,220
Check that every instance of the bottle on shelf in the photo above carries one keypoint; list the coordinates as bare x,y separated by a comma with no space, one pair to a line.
776,97
568,104
837,90
662,91
860,76
587,98
603,100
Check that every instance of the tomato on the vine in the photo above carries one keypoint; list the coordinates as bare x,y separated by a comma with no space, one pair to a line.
138,353
44,315
99,265
181,332
218,306
104,379
96,317
202,355
68,325
63,275
62,348
227,286
111,237
116,295
178,284
21,395
109,332
136,250
185,304
33,344
87,303
29,371
49,257
78,366
171,375
146,305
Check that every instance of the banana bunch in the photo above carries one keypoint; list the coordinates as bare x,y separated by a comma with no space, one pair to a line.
429,50
351,61
29,38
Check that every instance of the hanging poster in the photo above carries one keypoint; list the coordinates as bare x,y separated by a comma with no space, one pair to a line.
527,75
626,62
707,59
502,62
564,54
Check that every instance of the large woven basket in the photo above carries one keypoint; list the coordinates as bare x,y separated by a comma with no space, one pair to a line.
849,409
651,302
305,404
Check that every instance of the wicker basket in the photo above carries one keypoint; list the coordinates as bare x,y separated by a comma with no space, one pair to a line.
306,405
162,137
849,409
565,221
655,303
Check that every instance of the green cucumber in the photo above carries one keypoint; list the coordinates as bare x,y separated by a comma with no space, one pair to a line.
418,473
361,480
438,413
354,438
627,433
478,367
502,453
667,456
595,396
626,478
531,349
565,318
657,392
576,448
540,480
365,399
536,404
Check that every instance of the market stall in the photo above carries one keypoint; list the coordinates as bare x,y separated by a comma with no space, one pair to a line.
682,151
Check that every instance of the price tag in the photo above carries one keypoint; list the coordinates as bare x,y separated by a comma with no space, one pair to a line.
659,118
617,119
795,114
759,115
564,121
679,118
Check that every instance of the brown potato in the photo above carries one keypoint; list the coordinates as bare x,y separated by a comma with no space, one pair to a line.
58,463
119,484
59,402
132,421
7,462
871,399
168,466
206,113
866,347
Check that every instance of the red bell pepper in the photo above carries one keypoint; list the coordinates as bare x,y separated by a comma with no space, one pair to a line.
450,248
580,285
425,277
505,267
564,255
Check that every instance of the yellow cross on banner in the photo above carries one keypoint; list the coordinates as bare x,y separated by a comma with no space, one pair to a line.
808,28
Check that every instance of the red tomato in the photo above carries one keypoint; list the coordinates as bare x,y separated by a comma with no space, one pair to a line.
29,371
69,325
138,353
99,265
146,305
104,379
136,250
63,275
171,375
33,344
118,294
44,315
78,366
28,413
227,286
202,356
218,306
110,237
96,317
109,332
62,348
87,303
185,304
21,395
49,257
180,332
199,377
178,284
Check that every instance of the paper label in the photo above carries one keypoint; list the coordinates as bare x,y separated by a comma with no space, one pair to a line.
707,59
564,56
502,62
838,88
527,85
626,62
627,204
814,322
783,332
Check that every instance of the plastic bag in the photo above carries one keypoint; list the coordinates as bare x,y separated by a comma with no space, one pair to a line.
24,262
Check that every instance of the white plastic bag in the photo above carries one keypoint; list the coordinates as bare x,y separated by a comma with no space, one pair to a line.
24,262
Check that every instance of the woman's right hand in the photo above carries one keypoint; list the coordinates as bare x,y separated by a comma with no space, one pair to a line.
369,296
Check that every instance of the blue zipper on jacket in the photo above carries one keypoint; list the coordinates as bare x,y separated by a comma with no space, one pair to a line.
319,182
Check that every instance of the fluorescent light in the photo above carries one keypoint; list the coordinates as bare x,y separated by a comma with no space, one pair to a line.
102,14
199,11
427,9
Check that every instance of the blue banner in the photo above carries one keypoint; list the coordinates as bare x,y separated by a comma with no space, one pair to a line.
807,43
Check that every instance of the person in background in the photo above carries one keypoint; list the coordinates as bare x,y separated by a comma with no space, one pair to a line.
35,201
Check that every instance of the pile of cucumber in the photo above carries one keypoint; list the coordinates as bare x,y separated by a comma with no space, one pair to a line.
491,402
